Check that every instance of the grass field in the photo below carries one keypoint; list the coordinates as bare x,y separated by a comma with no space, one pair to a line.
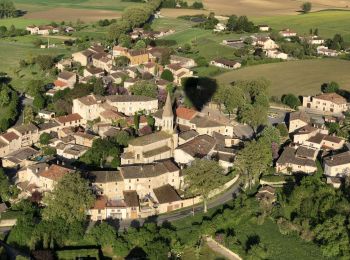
303,77
260,8
327,22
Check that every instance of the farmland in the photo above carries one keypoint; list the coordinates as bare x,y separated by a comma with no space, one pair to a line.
298,77
259,8
327,22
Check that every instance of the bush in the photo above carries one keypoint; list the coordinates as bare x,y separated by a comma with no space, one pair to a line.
167,75
291,101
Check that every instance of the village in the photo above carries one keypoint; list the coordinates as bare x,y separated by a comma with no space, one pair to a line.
169,136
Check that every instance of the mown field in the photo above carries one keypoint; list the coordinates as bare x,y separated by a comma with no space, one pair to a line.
303,77
327,22
268,7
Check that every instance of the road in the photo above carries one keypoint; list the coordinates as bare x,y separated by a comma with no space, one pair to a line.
221,199
24,102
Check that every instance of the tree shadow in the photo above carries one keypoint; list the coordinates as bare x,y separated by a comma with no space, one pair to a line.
200,90
135,224
136,253
252,241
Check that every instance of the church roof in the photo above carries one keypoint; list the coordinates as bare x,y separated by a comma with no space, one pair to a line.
168,108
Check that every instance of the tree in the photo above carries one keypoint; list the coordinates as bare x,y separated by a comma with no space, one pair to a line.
144,88
121,61
270,134
125,40
39,101
38,42
283,129
330,87
306,7
7,9
118,29
28,115
291,101
102,234
69,200
167,75
4,186
4,97
202,177
197,5
45,138
252,160
45,62
232,23
137,121
140,45
35,87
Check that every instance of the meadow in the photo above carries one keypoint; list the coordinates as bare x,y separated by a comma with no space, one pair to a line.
303,77
328,23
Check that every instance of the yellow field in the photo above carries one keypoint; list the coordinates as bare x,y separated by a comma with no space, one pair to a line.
70,14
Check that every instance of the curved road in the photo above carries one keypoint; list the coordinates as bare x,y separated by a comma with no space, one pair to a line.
221,199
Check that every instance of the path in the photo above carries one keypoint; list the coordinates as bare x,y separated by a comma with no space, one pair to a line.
220,249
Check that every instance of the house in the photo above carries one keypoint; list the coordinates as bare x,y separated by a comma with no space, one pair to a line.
266,43
118,77
136,57
184,116
84,139
301,135
131,104
65,79
313,39
149,148
167,198
107,183
119,51
297,120
187,136
264,28
64,64
326,103
19,158
184,62
224,155
225,63
28,134
275,54
145,177
47,115
93,72
199,147
337,165
323,50
301,159
323,141
287,33
88,107
219,27
205,125
42,29
150,67
179,72
9,142
83,57
51,175
70,151
102,60
71,120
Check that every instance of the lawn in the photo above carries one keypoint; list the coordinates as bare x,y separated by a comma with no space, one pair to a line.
17,48
327,22
303,77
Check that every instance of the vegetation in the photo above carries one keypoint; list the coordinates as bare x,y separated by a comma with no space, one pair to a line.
306,7
144,88
291,100
304,77
240,24
7,9
204,176
9,102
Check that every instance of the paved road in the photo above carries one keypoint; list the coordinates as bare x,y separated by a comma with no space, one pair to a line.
221,199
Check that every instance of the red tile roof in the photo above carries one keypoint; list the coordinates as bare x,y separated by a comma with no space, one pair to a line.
55,172
185,113
10,136
59,83
100,202
68,118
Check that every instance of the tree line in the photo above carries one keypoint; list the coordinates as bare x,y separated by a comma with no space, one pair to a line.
7,9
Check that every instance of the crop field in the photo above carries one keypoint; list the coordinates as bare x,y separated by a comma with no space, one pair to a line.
260,8
303,77
327,22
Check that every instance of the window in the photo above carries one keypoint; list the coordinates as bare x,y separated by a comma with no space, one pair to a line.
99,211
129,181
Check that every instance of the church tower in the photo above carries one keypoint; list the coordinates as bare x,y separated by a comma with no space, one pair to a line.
168,116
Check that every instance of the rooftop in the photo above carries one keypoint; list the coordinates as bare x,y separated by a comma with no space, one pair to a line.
185,113
166,194
339,159
106,176
149,139
332,97
68,118
199,147
129,98
55,172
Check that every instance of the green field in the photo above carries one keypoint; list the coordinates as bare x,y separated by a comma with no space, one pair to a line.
303,77
327,22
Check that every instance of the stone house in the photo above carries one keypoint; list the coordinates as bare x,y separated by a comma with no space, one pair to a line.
179,72
297,120
327,103
287,33
107,183
131,104
65,79
9,142
225,63
301,159
146,177
266,43
337,165
28,134
184,62
71,120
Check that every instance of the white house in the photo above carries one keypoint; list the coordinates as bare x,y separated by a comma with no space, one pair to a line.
275,54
